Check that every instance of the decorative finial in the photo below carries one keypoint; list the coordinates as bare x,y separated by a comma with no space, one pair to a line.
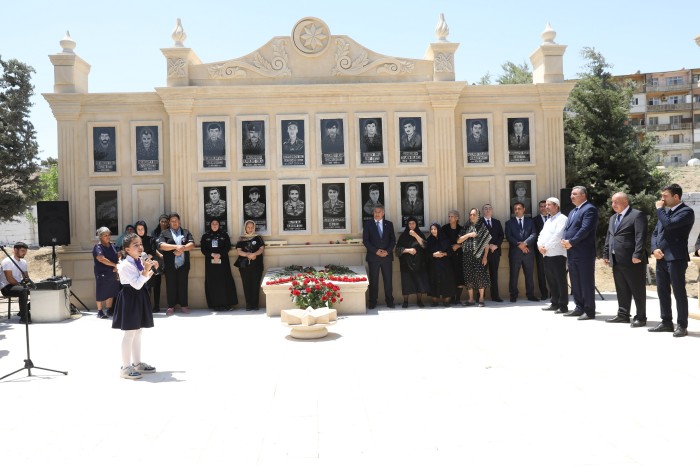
179,35
442,30
548,34
697,40
67,43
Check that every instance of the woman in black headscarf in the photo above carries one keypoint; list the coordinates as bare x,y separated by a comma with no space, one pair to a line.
439,251
475,238
149,247
219,287
250,247
410,247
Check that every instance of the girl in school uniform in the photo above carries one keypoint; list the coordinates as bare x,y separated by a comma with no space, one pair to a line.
132,308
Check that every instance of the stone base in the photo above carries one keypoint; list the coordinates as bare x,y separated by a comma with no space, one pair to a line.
314,332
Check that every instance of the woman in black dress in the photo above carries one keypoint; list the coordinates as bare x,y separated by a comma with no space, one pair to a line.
410,248
439,250
250,249
219,287
475,238
149,247
451,231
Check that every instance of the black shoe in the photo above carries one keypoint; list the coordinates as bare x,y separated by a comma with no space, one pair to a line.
433,304
680,332
638,323
512,300
101,315
619,319
469,303
497,300
446,305
586,317
390,305
551,307
532,298
574,313
420,304
562,311
481,304
405,305
662,327
371,306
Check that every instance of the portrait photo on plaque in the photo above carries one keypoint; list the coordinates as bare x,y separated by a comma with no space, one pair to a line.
520,191
104,149
107,211
332,141
253,143
412,202
255,206
477,141
371,142
294,207
213,144
518,140
334,206
215,206
411,140
372,195
147,149
292,142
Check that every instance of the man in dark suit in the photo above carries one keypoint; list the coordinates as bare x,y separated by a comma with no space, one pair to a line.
494,257
379,238
539,220
669,244
520,233
625,251
579,242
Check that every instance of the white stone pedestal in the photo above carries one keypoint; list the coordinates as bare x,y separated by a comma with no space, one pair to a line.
277,297
50,305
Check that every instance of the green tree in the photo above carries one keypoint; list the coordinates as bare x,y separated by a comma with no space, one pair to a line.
515,74
48,181
602,150
18,146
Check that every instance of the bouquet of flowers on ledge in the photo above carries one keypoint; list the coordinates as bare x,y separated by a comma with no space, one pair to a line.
315,289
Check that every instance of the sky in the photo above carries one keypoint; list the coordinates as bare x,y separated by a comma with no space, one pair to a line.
122,40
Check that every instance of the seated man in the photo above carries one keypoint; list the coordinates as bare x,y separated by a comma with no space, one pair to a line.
12,278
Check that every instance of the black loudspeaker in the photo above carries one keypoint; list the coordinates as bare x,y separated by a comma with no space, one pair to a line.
565,198
54,225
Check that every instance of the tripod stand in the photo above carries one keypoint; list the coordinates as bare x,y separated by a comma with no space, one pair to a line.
53,260
28,364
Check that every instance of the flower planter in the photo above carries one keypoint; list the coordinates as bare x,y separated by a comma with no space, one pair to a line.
277,296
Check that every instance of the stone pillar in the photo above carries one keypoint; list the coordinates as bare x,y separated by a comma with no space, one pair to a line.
444,98
182,159
553,99
442,53
179,58
548,60
70,72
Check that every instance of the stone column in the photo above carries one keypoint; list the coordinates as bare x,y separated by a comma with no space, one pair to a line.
444,98
182,159
548,60
553,99
179,58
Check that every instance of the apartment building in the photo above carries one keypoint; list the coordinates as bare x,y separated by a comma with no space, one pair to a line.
667,105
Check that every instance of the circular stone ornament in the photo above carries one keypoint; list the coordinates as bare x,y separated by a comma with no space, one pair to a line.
311,36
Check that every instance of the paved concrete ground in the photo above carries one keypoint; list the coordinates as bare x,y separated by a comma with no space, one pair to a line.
502,385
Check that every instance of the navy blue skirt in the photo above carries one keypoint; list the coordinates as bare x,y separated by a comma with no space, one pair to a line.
132,309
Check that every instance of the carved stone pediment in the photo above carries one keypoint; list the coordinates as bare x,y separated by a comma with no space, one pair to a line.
311,54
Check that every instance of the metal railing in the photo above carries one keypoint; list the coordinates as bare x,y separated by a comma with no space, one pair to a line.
668,107
670,127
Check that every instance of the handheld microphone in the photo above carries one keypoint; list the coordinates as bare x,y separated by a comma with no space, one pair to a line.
144,258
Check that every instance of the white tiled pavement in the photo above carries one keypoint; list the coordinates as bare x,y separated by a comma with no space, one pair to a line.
502,385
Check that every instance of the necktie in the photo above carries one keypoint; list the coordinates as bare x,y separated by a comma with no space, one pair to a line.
518,139
379,228
617,221
520,222
488,222
138,264
546,217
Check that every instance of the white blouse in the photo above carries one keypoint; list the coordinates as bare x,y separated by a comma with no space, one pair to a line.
129,274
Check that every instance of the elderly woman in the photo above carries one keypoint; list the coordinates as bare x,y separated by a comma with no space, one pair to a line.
175,243
219,287
451,231
439,250
410,250
250,249
475,238
104,255
129,229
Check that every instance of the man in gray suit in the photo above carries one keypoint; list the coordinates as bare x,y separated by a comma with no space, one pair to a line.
625,251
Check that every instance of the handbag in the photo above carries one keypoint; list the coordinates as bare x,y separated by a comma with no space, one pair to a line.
242,262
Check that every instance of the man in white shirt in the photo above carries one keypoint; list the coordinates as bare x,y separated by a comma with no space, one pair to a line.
554,253
12,277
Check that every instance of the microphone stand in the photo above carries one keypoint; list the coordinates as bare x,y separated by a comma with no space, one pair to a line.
28,364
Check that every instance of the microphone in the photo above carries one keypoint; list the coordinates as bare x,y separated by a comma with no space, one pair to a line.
144,258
